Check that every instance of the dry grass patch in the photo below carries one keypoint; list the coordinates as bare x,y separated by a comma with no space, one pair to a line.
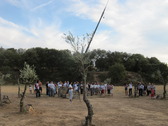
118,110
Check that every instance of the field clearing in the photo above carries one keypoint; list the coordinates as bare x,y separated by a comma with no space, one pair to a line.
119,110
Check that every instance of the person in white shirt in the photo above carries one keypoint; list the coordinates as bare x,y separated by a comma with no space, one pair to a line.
30,89
105,88
65,84
102,89
51,88
112,88
130,88
75,87
92,89
149,89
141,88
70,91
60,84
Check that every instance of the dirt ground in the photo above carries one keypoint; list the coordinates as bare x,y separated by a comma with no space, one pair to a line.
119,110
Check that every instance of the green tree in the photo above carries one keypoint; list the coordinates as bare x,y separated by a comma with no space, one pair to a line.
100,57
164,77
52,64
82,57
117,73
27,75
136,63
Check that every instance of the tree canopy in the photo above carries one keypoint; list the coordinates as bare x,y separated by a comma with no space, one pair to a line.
56,65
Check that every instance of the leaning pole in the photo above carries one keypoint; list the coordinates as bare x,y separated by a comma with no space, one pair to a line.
88,118
96,28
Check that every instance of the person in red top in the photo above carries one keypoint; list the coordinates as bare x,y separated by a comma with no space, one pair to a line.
152,91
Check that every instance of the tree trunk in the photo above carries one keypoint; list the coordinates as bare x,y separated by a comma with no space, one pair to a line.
22,99
88,118
0,94
18,89
164,91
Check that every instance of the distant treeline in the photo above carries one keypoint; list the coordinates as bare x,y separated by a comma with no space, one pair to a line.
56,65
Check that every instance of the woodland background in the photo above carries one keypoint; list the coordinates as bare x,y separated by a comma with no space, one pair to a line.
59,65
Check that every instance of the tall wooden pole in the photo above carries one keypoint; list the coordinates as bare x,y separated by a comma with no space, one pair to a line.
96,28
88,118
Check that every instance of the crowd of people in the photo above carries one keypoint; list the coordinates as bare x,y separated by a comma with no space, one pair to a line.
62,88
140,89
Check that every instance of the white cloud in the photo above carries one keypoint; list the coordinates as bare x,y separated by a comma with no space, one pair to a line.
133,26
51,36
30,4
43,5
14,36
131,21
20,3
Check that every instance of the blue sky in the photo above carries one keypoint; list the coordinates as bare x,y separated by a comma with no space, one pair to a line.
132,26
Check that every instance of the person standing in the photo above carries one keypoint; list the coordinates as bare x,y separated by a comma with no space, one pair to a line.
141,87
112,88
30,89
109,87
102,89
130,89
52,88
148,89
92,89
152,91
40,86
59,86
70,91
47,89
126,89
37,89
81,88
